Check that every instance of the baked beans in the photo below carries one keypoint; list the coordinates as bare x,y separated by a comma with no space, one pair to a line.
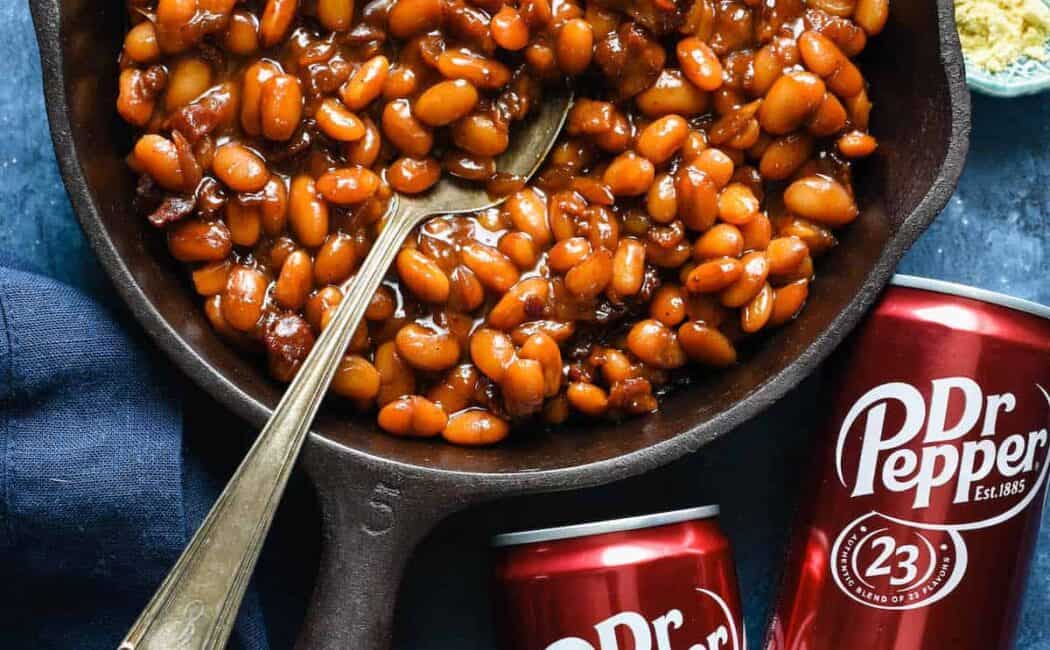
706,167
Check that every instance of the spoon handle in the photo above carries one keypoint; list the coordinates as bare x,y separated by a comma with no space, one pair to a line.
196,605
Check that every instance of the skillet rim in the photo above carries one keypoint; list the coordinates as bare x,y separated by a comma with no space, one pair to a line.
46,19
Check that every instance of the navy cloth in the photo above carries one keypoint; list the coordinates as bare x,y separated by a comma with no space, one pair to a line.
97,498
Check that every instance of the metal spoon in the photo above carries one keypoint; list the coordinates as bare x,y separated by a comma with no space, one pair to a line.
196,605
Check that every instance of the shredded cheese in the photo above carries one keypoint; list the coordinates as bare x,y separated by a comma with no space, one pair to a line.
997,33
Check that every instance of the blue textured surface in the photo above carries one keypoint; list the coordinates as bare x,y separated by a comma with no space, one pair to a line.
994,234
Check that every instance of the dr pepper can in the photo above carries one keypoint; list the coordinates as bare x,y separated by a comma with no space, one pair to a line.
919,530
657,582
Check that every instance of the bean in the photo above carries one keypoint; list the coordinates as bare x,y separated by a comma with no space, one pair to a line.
356,378
527,211
412,415
859,109
242,33
337,122
455,391
423,277
426,349
404,131
872,15
757,233
466,293
706,345
396,378
574,46
410,17
662,138
628,267
294,281
857,144
509,29
656,345
672,93
705,308
210,278
255,76
785,156
523,387
276,19
244,223
544,349
817,238
475,428
629,174
492,267
273,208
661,201
518,248
590,277
526,300
714,275
382,305
829,118
280,106
568,253
788,301
135,102
821,199
242,299
348,185
157,156
187,80
791,100
366,84
240,168
668,305
699,63
481,72
737,205
722,240
784,254
140,43
559,331
492,352
335,260
193,240
480,135
335,15
750,282
717,164
365,151
445,102
825,59
755,315
667,258
412,175
307,213
588,399
697,196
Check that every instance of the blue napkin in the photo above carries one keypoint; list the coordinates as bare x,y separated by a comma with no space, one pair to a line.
97,496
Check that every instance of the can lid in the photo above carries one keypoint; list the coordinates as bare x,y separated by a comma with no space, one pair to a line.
602,527
973,293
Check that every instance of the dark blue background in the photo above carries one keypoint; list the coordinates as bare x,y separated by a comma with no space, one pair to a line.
993,234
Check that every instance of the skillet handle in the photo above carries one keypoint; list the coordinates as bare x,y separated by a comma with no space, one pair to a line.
371,522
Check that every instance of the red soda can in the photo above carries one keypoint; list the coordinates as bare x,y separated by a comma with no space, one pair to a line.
656,582
926,502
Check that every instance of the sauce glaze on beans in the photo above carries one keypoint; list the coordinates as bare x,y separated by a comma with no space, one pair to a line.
704,168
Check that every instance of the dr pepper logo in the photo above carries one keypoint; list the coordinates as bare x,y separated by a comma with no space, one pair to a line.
663,632
957,460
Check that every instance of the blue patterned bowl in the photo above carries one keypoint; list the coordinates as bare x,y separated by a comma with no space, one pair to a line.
1024,77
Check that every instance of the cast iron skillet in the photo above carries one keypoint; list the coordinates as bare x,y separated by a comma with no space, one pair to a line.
379,494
